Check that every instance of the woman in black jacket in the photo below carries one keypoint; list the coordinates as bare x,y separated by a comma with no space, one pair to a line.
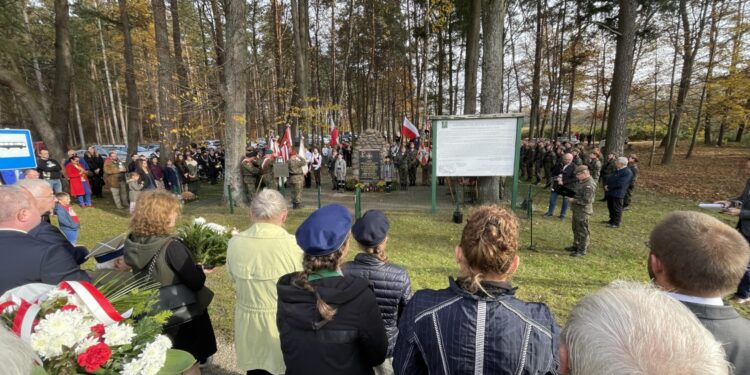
390,282
312,341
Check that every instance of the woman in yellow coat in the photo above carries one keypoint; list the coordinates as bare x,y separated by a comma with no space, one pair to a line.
256,259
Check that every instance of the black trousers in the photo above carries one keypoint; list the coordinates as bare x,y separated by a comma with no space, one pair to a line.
615,210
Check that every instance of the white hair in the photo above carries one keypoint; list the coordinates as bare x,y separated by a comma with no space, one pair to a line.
12,199
35,187
632,328
267,205
16,356
622,160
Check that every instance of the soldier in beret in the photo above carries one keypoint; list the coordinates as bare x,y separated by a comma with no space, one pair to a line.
312,341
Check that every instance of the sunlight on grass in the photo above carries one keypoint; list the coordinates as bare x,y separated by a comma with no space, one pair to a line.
424,244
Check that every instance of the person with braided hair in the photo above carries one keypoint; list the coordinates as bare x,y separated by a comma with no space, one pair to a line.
390,282
477,325
329,322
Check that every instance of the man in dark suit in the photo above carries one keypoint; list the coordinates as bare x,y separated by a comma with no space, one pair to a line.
24,259
566,176
698,259
740,206
615,189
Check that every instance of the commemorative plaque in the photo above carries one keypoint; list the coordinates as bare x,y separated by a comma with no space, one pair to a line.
369,165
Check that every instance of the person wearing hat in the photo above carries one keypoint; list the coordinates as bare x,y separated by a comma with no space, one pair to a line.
256,259
583,208
250,173
633,166
265,168
390,282
329,322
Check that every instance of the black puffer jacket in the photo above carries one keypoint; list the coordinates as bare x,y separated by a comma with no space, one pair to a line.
392,289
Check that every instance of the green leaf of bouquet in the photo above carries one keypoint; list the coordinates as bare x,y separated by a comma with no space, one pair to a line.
38,370
177,362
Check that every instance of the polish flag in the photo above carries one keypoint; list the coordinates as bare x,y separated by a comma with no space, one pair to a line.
408,129
286,148
334,134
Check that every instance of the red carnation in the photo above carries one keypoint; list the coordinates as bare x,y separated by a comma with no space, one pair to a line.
69,307
94,357
98,330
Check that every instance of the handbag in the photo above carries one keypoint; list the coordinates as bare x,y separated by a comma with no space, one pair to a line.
185,303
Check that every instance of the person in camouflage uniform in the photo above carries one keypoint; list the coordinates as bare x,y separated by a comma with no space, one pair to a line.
595,166
633,166
296,179
530,160
539,155
583,208
412,162
250,173
550,158
265,169
577,157
402,164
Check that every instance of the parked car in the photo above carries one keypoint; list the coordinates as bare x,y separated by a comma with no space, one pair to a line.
212,143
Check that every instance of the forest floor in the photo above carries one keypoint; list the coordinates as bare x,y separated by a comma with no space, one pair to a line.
424,243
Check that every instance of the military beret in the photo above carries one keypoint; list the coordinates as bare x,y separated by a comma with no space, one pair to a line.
581,168
371,229
325,230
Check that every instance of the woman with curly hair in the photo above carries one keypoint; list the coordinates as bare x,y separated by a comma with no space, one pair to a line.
152,250
477,325
329,323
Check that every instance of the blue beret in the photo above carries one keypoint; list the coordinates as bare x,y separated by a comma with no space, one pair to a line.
325,230
370,230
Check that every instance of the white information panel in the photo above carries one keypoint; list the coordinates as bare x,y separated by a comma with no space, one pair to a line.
476,146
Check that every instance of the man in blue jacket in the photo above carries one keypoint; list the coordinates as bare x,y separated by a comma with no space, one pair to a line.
615,189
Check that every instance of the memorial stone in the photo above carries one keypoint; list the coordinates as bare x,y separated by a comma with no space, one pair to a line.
369,153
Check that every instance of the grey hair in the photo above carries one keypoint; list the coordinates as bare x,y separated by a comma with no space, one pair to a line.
622,160
34,187
632,328
12,199
267,205
16,356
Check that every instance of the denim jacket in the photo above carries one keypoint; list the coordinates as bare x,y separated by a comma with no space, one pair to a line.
452,331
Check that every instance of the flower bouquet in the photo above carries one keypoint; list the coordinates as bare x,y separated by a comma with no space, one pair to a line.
207,241
73,328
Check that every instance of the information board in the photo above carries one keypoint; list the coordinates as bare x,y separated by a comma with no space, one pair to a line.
16,149
369,165
476,146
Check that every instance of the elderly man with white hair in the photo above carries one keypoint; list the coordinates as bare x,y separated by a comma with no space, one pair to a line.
630,328
256,259
23,258
45,202
615,189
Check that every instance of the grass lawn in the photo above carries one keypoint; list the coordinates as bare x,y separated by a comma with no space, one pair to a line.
424,244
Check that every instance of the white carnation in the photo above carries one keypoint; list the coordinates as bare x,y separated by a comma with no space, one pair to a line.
58,330
85,344
199,220
57,294
151,360
220,229
118,334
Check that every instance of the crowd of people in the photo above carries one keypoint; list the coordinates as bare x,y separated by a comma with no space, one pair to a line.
300,308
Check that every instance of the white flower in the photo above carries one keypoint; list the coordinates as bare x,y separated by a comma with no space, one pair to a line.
118,334
219,229
199,220
59,329
151,360
85,344
57,294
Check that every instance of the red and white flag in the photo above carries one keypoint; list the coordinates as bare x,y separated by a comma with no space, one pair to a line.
273,145
334,134
408,129
423,155
286,148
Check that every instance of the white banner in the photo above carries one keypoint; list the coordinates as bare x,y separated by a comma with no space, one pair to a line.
476,146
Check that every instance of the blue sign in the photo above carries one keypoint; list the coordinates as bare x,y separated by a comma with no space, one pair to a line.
16,149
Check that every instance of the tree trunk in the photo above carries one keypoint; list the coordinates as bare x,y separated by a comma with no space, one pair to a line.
300,23
78,119
616,123
472,59
688,58
134,113
35,110
105,60
60,114
493,16
166,92
35,60
235,97
276,9
182,75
